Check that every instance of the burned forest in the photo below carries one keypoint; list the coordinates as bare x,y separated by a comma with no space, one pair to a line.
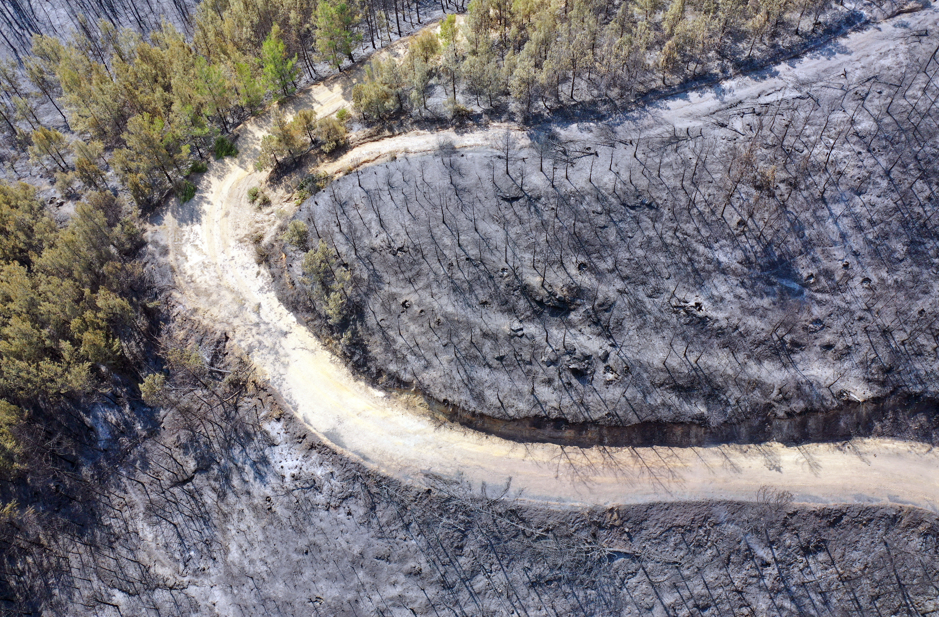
444,307
773,260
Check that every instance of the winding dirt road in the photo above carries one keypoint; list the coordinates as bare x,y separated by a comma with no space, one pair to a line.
210,250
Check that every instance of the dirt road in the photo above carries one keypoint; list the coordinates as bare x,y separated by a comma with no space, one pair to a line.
209,247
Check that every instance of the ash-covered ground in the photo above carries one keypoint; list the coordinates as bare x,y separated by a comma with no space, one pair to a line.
226,505
689,262
220,503
21,19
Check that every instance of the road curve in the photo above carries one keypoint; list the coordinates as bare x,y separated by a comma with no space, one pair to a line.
208,243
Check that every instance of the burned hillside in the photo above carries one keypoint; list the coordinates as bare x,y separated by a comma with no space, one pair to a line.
768,259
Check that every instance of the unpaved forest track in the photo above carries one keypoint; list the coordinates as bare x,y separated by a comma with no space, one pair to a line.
216,275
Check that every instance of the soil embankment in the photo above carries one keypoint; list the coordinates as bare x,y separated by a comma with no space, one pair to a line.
893,417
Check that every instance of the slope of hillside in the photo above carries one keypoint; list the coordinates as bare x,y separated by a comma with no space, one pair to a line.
209,244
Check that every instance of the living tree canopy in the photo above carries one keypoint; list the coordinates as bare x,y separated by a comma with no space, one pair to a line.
280,71
62,301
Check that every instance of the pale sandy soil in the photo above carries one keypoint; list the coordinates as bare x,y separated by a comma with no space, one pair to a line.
216,275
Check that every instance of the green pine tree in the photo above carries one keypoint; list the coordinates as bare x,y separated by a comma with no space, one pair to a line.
335,37
280,72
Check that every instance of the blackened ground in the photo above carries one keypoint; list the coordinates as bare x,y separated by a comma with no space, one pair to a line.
21,19
230,507
898,417
777,259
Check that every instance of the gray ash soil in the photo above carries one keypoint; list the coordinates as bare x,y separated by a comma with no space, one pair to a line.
21,19
777,259
235,509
